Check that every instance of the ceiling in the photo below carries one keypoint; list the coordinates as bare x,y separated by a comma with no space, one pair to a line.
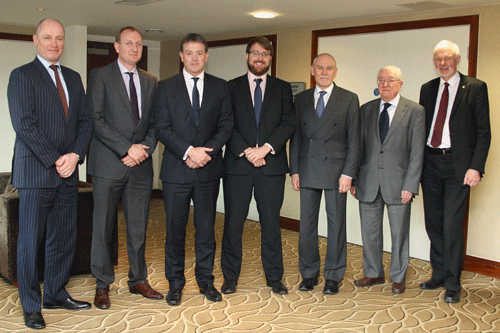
208,17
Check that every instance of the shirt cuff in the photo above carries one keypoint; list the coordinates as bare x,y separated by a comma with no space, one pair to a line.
272,149
346,176
186,153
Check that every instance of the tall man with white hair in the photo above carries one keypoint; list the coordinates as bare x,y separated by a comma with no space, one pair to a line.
323,158
458,139
391,159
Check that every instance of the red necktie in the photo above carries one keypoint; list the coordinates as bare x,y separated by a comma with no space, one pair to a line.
60,90
441,117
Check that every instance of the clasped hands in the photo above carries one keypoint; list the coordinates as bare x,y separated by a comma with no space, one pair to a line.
136,154
256,155
198,157
66,164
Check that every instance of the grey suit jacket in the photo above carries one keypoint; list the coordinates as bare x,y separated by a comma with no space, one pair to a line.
321,149
396,164
114,127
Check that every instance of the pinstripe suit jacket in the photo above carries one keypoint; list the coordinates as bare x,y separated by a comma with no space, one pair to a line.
42,132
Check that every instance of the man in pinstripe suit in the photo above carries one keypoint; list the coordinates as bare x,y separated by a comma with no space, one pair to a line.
53,128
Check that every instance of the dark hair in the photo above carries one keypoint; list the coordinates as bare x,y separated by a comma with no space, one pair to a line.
264,42
119,33
194,37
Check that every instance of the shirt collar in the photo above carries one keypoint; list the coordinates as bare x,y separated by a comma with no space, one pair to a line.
394,102
188,76
46,63
328,90
454,81
252,77
124,69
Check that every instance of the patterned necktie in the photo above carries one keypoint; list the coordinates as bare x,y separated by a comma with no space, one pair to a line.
196,101
257,101
437,135
134,104
383,124
60,90
320,107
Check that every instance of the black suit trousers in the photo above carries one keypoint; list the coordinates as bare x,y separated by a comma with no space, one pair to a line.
268,193
445,204
51,211
177,199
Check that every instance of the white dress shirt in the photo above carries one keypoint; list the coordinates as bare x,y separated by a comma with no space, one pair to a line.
52,74
137,83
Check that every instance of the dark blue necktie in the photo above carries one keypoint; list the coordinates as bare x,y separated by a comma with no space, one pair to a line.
257,100
320,106
134,104
196,102
383,124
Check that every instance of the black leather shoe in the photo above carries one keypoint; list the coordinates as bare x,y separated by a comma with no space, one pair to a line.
34,320
331,287
431,284
229,287
174,296
452,296
68,304
308,284
278,287
211,293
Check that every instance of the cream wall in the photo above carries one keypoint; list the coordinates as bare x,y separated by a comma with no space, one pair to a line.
293,61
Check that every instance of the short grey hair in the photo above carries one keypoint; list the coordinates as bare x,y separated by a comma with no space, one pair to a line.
322,54
447,45
395,70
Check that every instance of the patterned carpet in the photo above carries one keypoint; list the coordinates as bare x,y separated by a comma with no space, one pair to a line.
254,308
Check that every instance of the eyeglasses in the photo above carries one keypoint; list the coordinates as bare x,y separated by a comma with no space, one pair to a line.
389,82
257,53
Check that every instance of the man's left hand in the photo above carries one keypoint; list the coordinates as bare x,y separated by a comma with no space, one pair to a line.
472,177
344,184
406,197
66,164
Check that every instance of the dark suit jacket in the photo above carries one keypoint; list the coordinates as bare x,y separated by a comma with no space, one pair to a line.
114,127
42,132
469,123
177,130
277,122
395,165
322,149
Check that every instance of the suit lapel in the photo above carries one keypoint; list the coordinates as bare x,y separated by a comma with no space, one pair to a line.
117,78
460,93
247,98
45,76
70,85
268,95
401,109
205,101
184,95
144,90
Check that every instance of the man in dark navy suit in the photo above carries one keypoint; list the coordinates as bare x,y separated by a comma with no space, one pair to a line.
193,119
53,128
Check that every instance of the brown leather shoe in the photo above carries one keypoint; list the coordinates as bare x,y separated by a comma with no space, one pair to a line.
366,281
398,288
145,290
101,299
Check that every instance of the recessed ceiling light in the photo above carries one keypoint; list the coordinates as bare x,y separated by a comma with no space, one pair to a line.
154,31
264,15
41,9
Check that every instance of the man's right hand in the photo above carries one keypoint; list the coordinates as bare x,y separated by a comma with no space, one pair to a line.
296,182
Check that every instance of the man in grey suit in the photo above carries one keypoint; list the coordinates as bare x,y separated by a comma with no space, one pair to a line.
391,159
323,158
120,96
53,129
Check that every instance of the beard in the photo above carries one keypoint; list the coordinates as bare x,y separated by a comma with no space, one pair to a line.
255,71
